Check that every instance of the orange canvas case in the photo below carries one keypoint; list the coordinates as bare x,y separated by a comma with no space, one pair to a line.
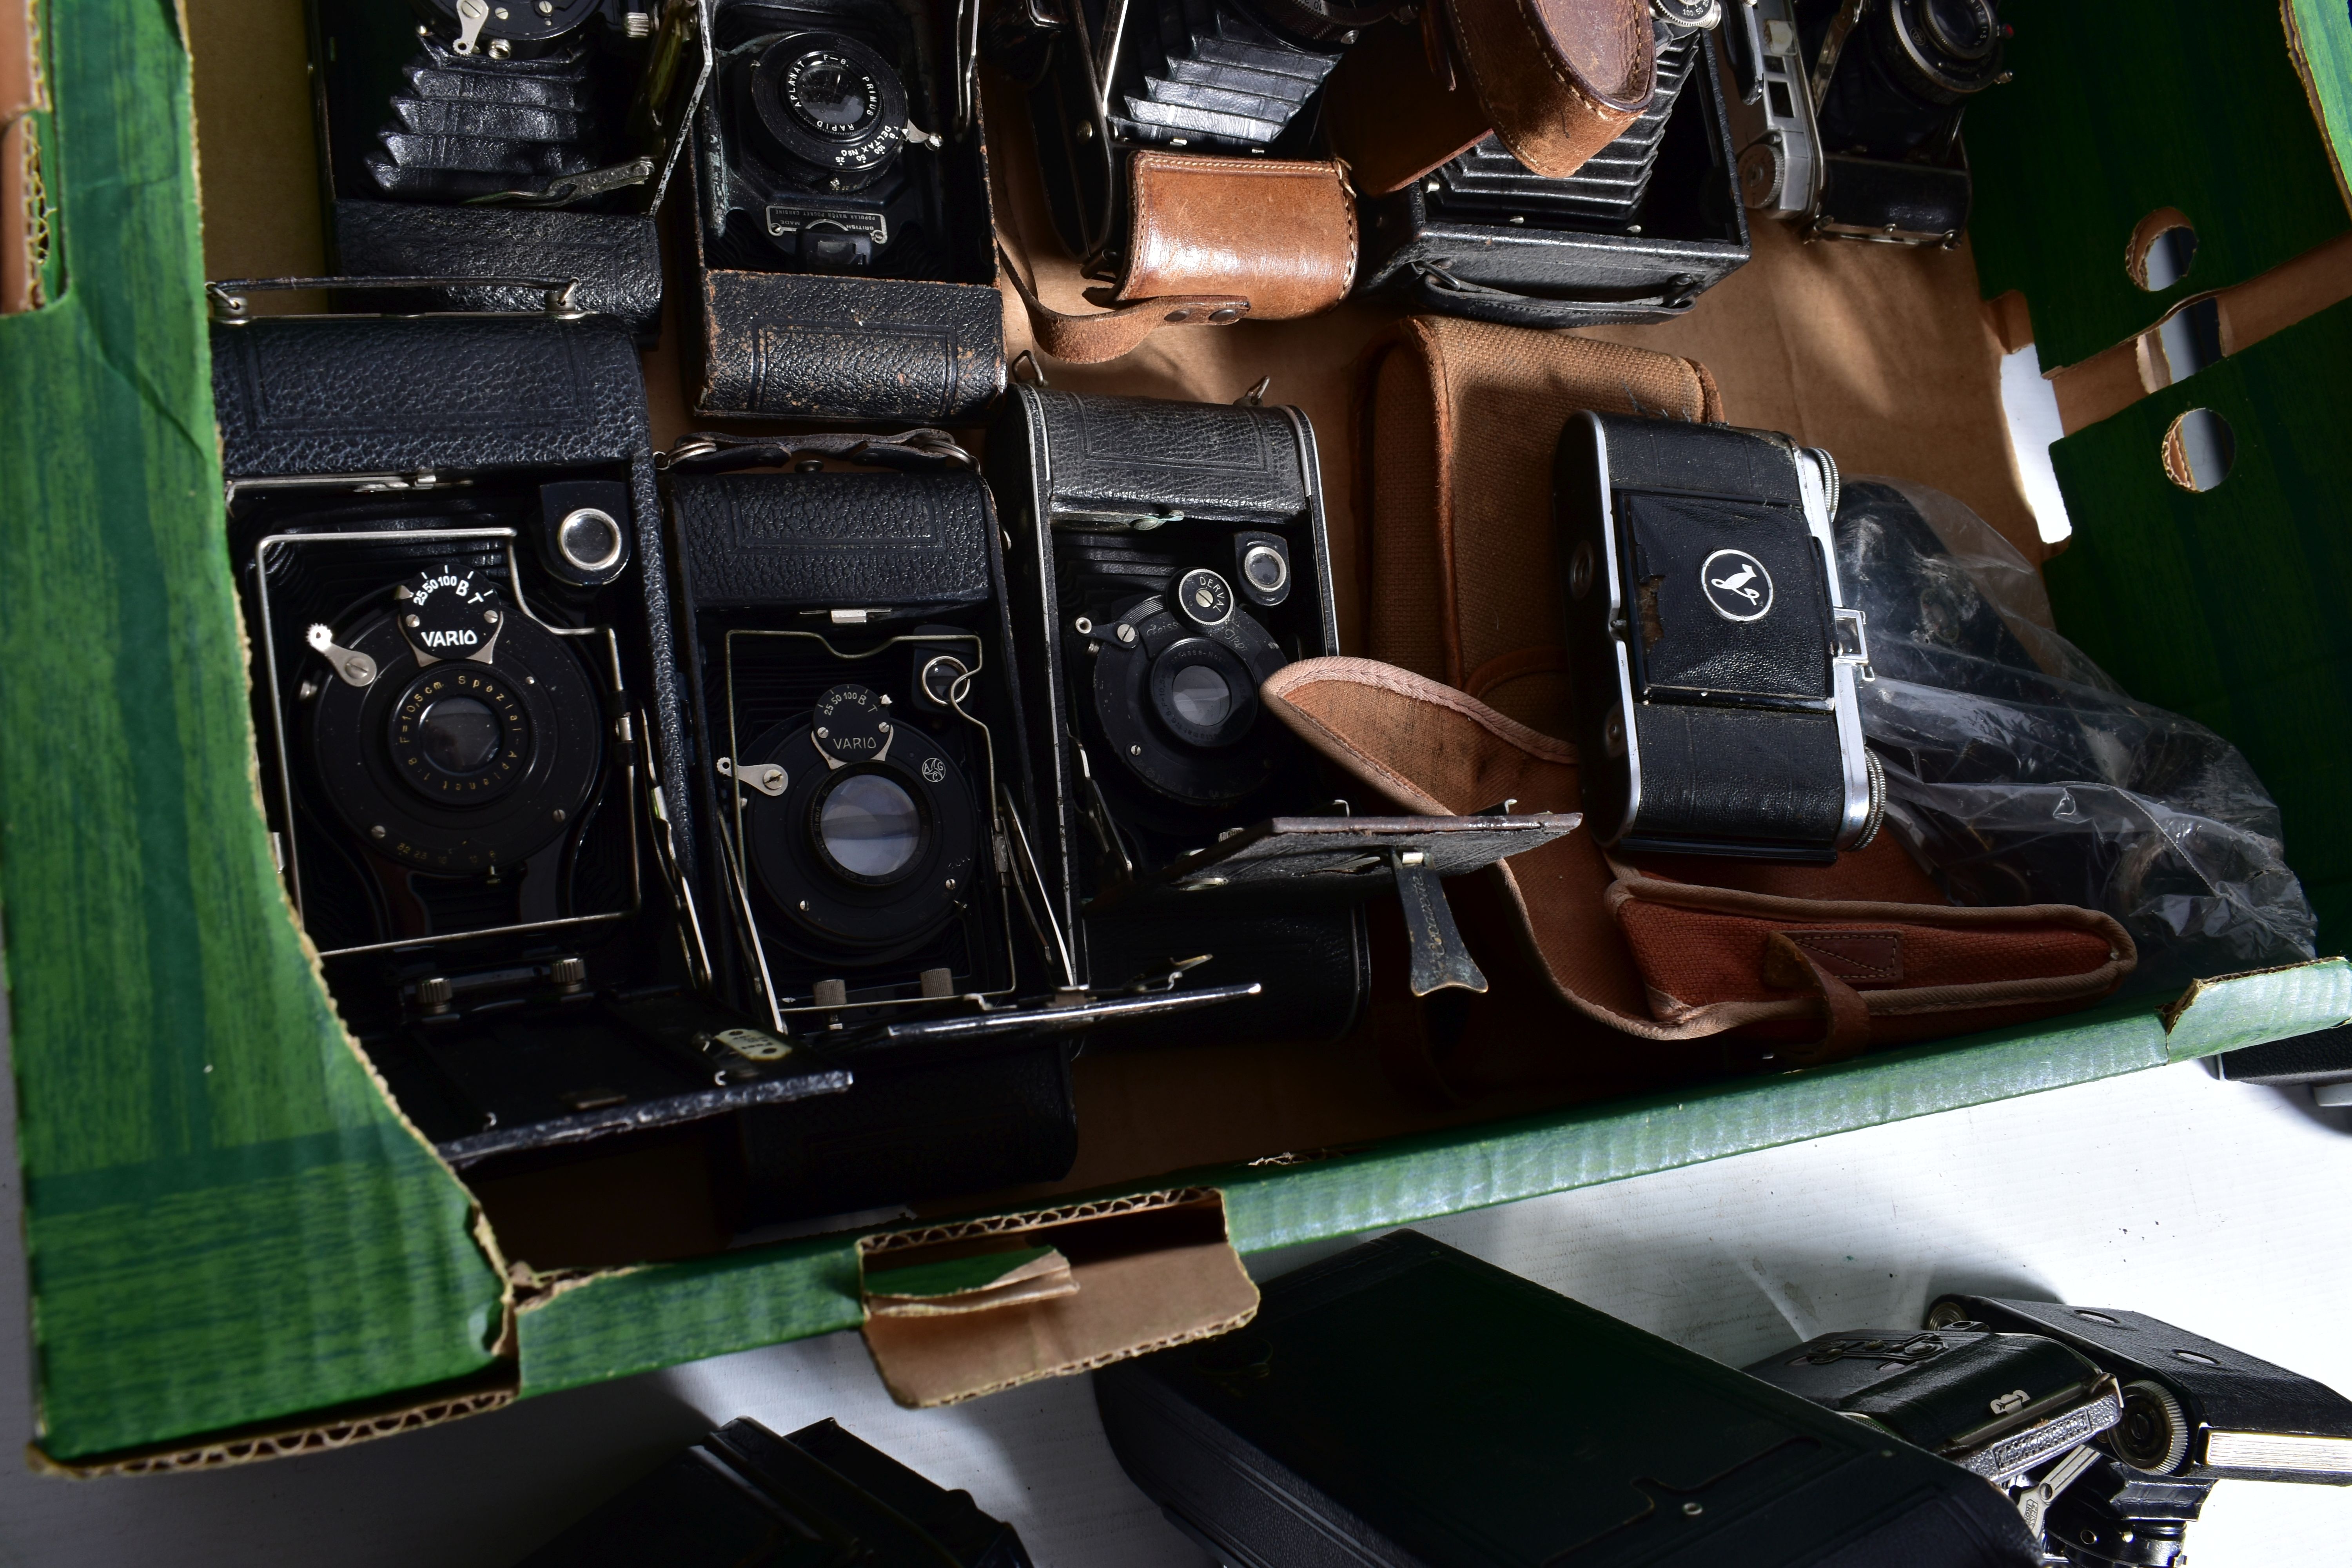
1468,685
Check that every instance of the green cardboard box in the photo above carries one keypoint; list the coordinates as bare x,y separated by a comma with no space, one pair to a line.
237,1247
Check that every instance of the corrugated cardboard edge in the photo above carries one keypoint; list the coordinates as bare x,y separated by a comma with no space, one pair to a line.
1033,1219
406,1414
2234,1010
998,1224
2334,52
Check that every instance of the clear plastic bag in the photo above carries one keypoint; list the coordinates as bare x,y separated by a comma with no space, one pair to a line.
2018,772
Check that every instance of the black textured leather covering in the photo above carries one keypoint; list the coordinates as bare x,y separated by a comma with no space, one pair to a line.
302,396
822,540
803,346
1738,773
1116,458
616,257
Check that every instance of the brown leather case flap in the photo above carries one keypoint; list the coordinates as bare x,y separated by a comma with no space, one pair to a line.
1280,234
1395,108
1555,79
1830,958
1460,420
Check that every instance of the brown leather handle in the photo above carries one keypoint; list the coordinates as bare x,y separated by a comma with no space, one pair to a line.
1105,335
1846,1027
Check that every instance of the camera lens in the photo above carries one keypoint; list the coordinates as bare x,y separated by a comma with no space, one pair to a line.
869,826
1962,27
828,110
1201,695
830,95
459,734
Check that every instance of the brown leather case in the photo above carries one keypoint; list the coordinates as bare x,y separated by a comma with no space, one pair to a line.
1555,80
1817,962
1210,241
1458,420
1281,233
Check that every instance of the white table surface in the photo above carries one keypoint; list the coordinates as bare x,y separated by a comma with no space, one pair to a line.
2219,1206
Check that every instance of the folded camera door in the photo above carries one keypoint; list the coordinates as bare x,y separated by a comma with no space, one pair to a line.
878,885
1847,116
1713,657
469,730
844,248
472,142
1636,234
1180,151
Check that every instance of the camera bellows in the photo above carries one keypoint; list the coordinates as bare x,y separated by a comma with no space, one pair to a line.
1609,189
1221,79
472,126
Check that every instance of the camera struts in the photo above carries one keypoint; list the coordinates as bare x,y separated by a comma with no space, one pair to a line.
863,853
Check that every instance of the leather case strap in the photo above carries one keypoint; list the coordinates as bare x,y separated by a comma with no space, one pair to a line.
1105,335
1819,960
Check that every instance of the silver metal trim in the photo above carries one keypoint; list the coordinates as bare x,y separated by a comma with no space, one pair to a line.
1791,142
1817,481
1619,630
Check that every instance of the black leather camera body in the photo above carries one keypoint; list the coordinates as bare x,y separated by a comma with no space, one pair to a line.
470,727
1713,658
1167,558
863,769
1847,117
470,140
844,247
1651,222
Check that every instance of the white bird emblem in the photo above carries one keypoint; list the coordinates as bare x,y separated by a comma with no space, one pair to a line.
1737,583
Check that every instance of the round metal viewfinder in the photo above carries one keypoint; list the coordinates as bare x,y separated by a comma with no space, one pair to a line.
589,540
1266,568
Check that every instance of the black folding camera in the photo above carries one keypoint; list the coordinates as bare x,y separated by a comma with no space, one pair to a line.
503,139
2194,1412
468,726
844,243
2107,1428
851,669
1847,112
1648,224
1713,657
1168,558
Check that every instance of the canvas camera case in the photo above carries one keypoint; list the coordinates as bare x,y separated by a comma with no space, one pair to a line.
1469,685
